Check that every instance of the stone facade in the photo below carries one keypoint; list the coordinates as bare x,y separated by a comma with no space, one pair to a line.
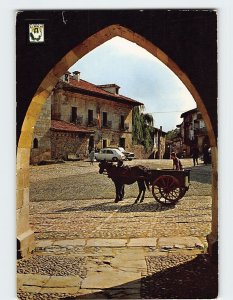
65,143
158,150
79,116
90,111
159,143
41,143
193,131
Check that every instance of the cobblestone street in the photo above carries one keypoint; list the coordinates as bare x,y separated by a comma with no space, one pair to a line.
116,245
73,200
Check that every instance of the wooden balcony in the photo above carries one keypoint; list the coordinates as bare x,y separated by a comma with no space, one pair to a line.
91,123
124,127
77,121
200,131
108,124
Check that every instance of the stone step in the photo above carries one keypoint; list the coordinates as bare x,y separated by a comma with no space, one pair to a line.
88,245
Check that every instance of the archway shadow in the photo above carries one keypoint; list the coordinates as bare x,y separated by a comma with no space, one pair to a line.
110,207
195,279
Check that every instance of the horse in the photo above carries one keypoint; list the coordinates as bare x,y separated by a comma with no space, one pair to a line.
122,175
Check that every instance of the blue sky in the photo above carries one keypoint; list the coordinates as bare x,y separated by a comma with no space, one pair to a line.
141,76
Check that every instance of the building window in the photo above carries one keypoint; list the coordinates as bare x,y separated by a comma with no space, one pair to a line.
122,142
122,122
105,119
90,116
35,143
73,114
91,143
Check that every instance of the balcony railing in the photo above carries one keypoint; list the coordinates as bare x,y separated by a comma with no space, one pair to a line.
108,124
124,127
198,131
92,122
77,121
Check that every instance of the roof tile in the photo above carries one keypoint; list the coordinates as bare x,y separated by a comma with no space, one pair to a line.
58,125
84,85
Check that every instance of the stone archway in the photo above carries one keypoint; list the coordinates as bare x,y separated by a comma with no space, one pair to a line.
25,234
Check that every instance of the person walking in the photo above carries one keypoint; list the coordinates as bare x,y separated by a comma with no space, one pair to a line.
92,156
206,154
177,165
195,155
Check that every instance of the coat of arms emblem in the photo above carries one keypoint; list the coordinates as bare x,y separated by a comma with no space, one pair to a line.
36,33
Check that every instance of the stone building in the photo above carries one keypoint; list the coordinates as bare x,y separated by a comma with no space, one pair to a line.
193,131
159,142
79,116
41,143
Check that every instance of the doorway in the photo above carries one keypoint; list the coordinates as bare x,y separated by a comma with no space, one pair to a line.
91,144
122,142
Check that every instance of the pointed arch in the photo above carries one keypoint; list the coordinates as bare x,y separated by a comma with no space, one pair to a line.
45,89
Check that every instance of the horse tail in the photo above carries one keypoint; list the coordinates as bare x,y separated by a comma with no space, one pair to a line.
147,178
147,182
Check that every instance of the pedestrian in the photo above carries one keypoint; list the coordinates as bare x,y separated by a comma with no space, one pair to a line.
195,155
92,156
206,154
177,165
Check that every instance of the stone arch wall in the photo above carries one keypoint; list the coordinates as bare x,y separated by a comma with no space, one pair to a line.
24,232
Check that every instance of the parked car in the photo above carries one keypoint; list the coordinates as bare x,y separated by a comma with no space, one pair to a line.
110,154
128,155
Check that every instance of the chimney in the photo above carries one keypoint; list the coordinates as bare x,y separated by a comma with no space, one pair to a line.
111,88
76,75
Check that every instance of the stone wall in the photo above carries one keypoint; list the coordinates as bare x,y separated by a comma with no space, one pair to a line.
112,138
65,143
155,153
42,135
139,152
63,101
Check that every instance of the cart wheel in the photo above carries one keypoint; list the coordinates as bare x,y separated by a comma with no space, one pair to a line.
183,190
166,189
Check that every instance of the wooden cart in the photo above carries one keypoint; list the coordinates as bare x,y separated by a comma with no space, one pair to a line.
168,186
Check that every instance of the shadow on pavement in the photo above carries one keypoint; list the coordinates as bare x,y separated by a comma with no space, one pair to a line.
140,207
195,279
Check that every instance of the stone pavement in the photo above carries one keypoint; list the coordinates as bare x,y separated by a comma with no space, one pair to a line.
100,268
88,247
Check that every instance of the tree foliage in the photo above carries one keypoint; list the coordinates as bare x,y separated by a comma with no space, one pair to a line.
142,129
173,134
137,132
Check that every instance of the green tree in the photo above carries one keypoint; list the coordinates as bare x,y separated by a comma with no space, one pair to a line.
137,132
173,134
142,128
148,119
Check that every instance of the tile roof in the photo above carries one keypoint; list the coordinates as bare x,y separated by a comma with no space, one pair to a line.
87,86
189,112
107,85
57,125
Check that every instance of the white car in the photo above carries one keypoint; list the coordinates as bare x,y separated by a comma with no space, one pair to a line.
109,154
128,155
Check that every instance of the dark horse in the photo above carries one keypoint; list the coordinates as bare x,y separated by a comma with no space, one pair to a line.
122,175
